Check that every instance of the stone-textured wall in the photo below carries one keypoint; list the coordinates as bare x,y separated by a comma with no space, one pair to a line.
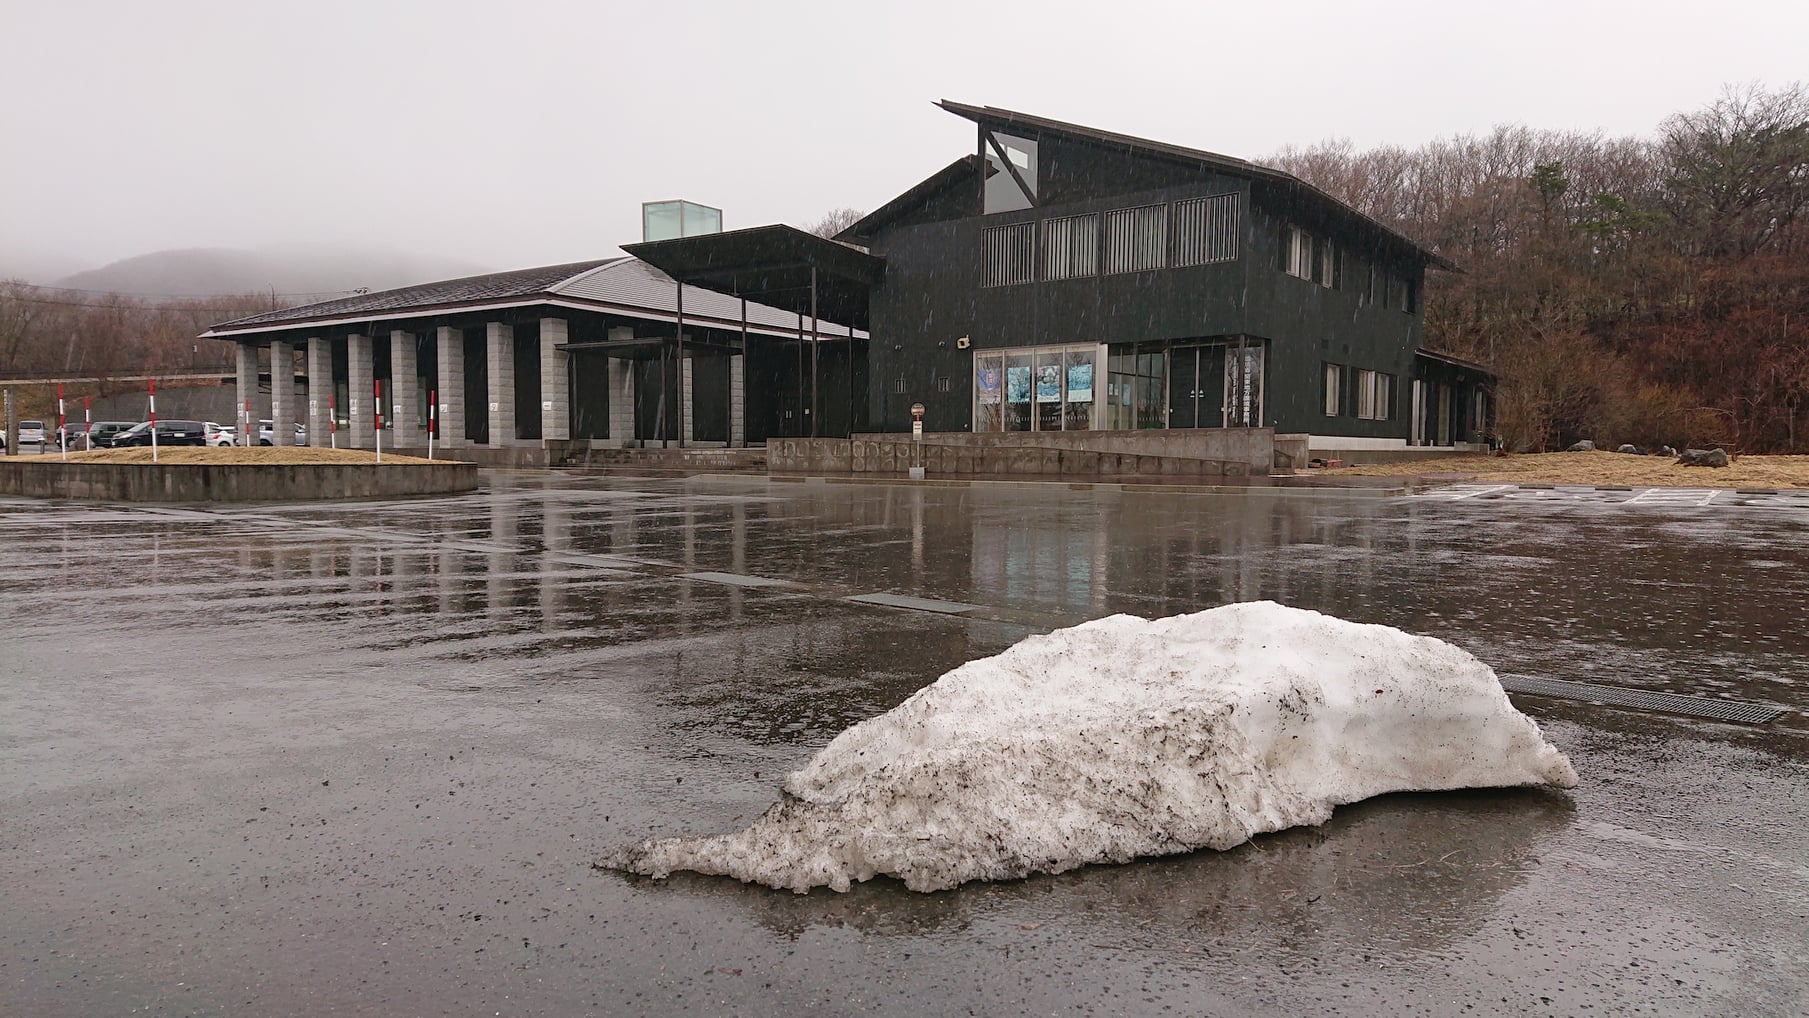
194,482
1235,452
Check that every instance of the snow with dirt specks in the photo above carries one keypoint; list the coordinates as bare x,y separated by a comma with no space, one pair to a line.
1128,737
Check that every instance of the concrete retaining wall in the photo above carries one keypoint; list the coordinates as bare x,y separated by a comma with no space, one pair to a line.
1221,453
176,482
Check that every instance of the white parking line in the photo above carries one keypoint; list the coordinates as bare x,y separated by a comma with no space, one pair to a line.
1696,497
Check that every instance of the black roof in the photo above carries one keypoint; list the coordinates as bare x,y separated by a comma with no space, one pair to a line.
1011,119
465,290
954,173
773,265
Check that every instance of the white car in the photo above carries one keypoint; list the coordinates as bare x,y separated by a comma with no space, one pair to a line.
267,429
31,433
219,434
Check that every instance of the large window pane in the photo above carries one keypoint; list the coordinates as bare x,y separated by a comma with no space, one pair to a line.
989,393
1002,191
1078,399
1018,385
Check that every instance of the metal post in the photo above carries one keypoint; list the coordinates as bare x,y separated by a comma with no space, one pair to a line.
800,372
332,423
62,425
744,382
433,421
88,423
377,384
815,336
153,383
681,364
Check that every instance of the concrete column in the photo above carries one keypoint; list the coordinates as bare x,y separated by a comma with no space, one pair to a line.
685,415
282,395
248,389
621,402
404,403
738,401
555,381
499,342
320,389
452,387
360,414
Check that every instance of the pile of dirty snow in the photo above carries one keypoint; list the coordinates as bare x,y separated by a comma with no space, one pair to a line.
1127,737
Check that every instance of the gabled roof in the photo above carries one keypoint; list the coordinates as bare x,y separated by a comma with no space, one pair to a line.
992,116
482,289
957,172
619,285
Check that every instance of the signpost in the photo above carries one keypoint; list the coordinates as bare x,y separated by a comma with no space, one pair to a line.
916,441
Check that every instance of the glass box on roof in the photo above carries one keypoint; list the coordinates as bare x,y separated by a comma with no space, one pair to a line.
669,220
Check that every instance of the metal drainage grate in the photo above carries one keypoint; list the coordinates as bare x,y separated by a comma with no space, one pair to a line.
921,604
1642,699
737,579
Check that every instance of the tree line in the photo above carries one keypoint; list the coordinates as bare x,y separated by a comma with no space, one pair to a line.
53,332
1643,290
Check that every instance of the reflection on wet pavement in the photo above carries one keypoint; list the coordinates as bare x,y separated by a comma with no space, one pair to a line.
249,747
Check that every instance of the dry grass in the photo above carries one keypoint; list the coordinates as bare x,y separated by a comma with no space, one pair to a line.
1602,468
263,455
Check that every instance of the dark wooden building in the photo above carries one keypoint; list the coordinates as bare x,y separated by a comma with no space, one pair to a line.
1063,278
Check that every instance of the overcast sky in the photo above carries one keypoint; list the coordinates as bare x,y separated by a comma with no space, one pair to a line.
527,132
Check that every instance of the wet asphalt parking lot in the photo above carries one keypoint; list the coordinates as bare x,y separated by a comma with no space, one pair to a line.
356,759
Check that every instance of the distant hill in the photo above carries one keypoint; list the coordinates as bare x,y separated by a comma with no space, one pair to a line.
205,272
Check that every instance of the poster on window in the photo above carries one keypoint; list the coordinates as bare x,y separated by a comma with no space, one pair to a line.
1080,383
1048,383
989,385
1017,384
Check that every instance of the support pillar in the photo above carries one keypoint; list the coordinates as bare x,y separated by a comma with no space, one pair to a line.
359,413
451,387
555,382
248,387
282,395
738,401
499,343
320,390
685,413
621,395
404,403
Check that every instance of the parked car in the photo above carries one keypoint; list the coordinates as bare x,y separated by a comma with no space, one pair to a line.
168,433
31,433
217,434
100,433
267,429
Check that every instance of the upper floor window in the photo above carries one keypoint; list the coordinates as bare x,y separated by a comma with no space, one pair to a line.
1010,254
1071,247
1011,177
1206,229
1309,256
1136,239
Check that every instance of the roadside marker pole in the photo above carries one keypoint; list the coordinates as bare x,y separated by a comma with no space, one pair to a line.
379,384
88,423
245,429
153,382
433,421
62,424
332,424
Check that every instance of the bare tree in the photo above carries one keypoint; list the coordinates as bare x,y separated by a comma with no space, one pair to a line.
835,221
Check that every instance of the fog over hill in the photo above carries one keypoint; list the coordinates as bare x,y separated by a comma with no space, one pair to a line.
290,271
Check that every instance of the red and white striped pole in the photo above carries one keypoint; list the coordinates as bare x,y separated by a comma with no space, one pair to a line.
245,429
153,382
88,423
378,383
433,420
62,424
332,424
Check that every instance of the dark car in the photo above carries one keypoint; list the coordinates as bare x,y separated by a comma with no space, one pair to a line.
168,433
101,432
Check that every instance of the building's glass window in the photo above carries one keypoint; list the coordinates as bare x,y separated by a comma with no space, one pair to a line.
1010,255
1035,388
1206,229
1334,390
667,220
1309,257
1003,193
1136,239
1375,395
1071,247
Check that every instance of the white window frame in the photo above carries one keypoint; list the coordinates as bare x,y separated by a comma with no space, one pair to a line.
1334,390
1372,395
